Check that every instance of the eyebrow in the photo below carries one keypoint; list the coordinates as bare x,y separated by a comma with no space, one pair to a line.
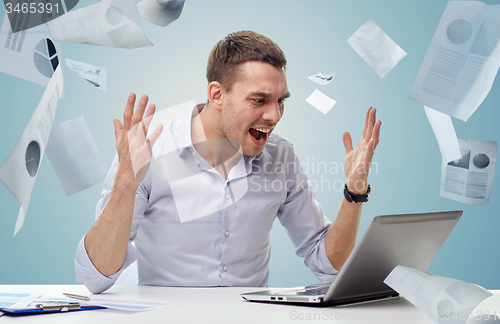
267,95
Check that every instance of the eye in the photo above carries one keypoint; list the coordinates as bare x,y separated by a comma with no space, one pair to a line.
259,101
281,101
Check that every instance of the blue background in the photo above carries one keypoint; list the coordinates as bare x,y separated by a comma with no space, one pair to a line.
313,34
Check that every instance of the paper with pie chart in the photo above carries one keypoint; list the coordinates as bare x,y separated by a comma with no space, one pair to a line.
470,178
74,156
19,171
29,54
161,12
462,60
112,23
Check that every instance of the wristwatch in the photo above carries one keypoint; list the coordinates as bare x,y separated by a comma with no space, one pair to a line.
351,196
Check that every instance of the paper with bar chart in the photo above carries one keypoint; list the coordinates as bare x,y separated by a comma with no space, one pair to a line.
95,75
462,60
470,178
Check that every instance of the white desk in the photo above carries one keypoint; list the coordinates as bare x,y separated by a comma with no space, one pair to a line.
221,305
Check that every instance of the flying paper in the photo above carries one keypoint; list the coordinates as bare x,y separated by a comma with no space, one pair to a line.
160,12
470,178
446,136
378,50
74,156
29,54
320,101
113,23
321,78
442,299
19,171
96,75
462,60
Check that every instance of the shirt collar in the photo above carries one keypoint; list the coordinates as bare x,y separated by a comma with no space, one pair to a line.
184,141
183,137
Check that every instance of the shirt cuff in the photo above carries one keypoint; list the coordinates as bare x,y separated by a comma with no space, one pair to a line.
324,271
87,273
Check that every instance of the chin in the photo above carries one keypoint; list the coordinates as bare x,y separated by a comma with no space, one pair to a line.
252,151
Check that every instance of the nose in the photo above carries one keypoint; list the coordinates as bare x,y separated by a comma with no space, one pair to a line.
272,112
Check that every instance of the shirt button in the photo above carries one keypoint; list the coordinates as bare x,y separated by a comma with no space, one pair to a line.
227,233
224,268
227,196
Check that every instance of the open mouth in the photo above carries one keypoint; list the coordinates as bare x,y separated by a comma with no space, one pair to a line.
259,135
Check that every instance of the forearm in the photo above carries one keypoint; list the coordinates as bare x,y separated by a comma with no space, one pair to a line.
106,242
341,236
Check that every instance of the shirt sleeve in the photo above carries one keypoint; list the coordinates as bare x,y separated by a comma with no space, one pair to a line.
305,222
85,270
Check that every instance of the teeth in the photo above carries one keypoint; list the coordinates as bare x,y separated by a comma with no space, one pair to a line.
263,130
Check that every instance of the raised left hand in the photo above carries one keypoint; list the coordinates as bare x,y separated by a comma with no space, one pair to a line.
358,161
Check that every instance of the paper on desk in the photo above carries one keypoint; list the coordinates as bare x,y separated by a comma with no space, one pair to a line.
322,79
113,23
74,156
160,12
445,134
378,50
16,300
19,171
470,178
436,296
126,304
29,54
96,75
462,60
320,101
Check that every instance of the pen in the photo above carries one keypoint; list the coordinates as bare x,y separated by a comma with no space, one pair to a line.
76,296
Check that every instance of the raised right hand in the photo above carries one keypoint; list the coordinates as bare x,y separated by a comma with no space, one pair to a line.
133,147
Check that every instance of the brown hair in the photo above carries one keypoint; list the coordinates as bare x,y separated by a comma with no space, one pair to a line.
237,48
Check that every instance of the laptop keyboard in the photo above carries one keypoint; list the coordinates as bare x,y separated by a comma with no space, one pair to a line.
314,291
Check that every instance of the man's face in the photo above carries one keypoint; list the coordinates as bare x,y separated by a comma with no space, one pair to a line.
253,106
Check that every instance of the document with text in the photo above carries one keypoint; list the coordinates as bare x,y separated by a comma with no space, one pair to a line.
20,170
470,178
462,60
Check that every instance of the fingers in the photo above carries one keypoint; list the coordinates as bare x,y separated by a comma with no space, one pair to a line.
155,134
149,115
371,123
346,137
139,112
118,129
366,121
129,111
376,133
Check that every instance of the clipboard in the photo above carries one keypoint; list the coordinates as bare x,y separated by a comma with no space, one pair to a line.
48,308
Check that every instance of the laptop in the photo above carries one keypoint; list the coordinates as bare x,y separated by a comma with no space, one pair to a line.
411,240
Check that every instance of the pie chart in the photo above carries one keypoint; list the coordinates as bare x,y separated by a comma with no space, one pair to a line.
45,57
459,31
32,158
481,161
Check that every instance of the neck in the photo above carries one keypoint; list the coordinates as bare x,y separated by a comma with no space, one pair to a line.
222,153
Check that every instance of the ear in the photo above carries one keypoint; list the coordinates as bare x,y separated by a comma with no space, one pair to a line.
215,94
